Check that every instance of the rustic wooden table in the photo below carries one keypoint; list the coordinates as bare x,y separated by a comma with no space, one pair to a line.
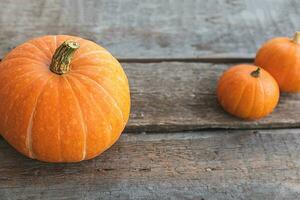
179,144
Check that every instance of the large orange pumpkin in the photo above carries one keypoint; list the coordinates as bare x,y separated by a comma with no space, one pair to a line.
281,58
62,99
248,92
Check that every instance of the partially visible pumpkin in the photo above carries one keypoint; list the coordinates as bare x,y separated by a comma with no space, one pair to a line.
281,58
62,105
247,92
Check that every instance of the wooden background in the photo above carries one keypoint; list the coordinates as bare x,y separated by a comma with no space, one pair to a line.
179,144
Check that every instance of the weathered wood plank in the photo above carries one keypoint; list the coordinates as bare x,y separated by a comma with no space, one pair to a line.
262,164
181,96
154,28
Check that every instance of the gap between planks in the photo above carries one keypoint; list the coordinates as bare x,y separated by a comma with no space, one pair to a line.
211,165
216,60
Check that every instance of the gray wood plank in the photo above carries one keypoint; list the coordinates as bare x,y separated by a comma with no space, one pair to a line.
154,28
173,96
263,164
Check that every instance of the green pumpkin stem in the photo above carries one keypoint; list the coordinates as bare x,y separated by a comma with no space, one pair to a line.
297,38
256,73
62,57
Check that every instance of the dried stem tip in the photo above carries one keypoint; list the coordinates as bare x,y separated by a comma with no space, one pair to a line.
255,73
62,57
296,38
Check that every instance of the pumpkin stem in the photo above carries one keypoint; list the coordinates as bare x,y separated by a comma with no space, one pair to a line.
62,57
297,38
255,73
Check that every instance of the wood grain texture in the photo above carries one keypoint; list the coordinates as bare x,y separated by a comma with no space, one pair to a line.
173,96
239,165
154,28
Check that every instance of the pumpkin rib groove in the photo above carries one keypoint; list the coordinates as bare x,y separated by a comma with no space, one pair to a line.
253,99
28,55
83,125
36,47
279,57
82,72
251,94
263,95
59,122
15,99
98,71
225,80
28,139
81,56
286,71
16,78
64,99
272,55
294,69
107,93
40,62
30,65
240,98
55,41
45,45
104,63
98,108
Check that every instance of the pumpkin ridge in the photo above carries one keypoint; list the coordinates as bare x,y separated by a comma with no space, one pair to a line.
55,41
28,139
23,57
16,79
103,61
106,92
62,117
10,106
272,55
30,65
99,70
45,45
83,72
263,90
59,121
14,101
36,47
224,80
98,108
81,56
102,64
240,98
83,125
286,73
253,98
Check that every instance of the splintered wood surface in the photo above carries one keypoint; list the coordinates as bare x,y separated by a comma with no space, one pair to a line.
179,143
262,164
178,96
154,28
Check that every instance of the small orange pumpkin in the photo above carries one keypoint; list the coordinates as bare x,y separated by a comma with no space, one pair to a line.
248,92
63,99
281,58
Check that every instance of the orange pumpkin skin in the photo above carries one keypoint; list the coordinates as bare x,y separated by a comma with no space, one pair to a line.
281,58
245,95
62,118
